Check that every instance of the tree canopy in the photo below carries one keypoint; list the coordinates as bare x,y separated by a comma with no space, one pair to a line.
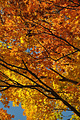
40,57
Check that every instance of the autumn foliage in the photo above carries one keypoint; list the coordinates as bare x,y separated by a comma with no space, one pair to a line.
4,115
40,57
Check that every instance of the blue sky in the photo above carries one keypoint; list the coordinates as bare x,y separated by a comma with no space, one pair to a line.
18,112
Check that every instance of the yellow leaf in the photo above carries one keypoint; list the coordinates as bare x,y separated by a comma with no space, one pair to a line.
21,39
0,44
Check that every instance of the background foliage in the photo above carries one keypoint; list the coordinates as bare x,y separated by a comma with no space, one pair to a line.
40,57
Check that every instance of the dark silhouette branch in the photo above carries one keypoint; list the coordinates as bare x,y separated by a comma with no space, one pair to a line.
35,76
27,78
46,95
63,78
68,80
66,55
7,87
34,86
51,33
12,65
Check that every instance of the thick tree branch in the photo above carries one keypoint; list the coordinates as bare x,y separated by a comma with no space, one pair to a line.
52,91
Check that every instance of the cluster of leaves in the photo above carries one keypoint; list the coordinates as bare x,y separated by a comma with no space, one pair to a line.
40,56
4,115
